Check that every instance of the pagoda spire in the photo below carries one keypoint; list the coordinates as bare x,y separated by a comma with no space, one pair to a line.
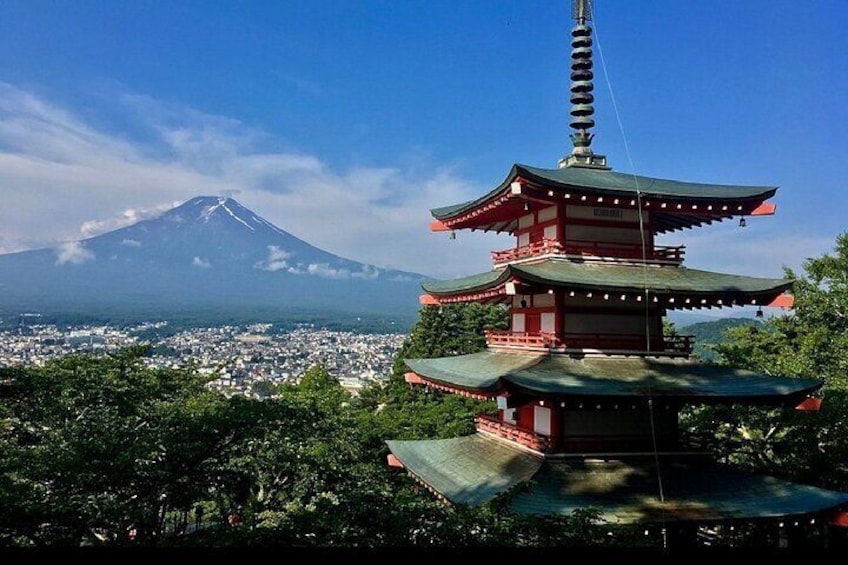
581,91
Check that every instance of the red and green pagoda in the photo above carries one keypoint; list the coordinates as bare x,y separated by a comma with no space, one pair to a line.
588,388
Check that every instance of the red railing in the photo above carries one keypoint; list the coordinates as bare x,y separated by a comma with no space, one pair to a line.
605,341
544,246
522,339
547,246
525,437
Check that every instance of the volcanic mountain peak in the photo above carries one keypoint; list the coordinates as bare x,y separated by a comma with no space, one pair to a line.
206,251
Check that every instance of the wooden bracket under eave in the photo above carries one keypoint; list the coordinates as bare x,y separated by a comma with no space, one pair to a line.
394,461
438,225
764,209
782,301
428,300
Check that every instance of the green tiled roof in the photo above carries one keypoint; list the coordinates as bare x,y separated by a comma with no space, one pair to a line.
465,284
565,375
617,376
467,470
612,183
625,491
666,279
474,469
478,371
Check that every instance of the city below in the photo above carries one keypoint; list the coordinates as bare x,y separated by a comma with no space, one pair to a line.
238,358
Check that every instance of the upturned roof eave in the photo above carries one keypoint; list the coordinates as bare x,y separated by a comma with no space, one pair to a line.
787,398
475,469
647,186
530,374
492,279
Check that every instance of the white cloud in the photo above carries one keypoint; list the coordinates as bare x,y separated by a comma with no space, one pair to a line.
73,252
276,260
130,243
762,249
367,273
324,270
58,171
200,262
66,171
126,218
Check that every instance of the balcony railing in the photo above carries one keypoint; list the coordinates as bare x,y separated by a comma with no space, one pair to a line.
521,339
546,246
525,437
619,342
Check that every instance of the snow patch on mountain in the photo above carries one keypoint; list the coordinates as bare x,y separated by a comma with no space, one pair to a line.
236,218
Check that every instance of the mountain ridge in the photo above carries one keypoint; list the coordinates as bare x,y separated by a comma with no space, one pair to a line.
207,253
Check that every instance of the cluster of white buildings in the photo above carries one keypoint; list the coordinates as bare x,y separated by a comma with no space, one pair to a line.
237,358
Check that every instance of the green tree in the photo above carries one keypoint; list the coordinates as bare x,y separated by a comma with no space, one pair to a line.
97,447
452,329
811,342
104,450
395,410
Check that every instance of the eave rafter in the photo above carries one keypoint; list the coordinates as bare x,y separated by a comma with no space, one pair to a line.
492,295
499,212
412,378
515,282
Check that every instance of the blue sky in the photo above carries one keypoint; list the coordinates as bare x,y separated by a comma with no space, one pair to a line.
344,121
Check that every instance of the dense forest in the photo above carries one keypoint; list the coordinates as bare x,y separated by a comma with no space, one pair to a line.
708,335
102,451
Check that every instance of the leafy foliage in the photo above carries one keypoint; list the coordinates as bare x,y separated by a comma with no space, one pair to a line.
101,450
708,335
95,446
812,342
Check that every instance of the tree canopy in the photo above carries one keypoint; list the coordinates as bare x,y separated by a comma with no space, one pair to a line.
103,451
809,342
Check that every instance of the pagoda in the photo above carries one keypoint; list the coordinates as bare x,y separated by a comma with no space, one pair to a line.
587,386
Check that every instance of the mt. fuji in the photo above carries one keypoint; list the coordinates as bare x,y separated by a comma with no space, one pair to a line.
210,255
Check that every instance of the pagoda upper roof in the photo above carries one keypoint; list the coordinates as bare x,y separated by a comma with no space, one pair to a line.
610,183
609,376
590,275
474,469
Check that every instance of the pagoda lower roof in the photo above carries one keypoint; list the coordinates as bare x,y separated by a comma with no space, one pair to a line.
609,376
592,275
602,182
475,469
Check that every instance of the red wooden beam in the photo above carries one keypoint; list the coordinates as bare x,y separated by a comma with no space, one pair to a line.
764,209
413,379
394,461
840,519
783,301
428,300
810,404
438,225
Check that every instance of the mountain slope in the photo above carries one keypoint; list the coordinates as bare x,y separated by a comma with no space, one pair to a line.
708,334
208,255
